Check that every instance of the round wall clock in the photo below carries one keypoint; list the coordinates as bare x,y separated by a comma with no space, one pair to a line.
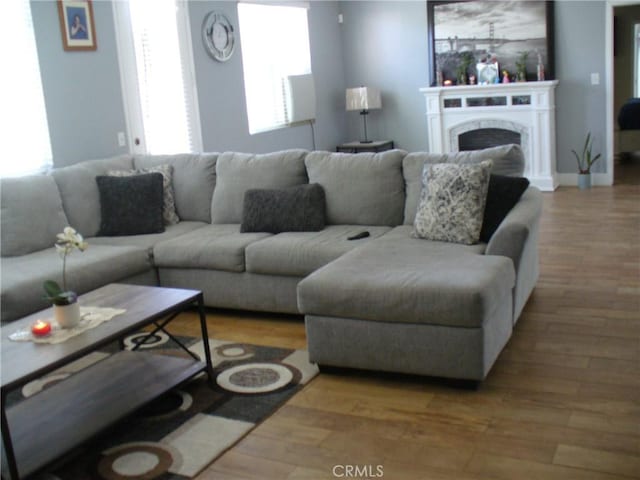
217,34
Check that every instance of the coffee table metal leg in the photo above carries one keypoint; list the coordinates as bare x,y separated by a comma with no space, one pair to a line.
7,444
205,339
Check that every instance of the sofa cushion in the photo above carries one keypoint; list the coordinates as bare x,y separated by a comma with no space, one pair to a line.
216,247
238,172
361,189
31,214
452,205
504,192
22,277
293,209
194,178
300,253
131,205
507,160
168,202
79,190
398,278
148,241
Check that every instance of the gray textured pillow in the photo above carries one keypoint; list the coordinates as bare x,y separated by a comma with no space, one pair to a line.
452,205
293,209
238,172
31,214
131,205
169,204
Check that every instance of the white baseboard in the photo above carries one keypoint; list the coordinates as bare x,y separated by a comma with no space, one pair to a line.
597,179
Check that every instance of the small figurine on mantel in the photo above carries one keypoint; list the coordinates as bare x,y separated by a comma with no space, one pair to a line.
505,76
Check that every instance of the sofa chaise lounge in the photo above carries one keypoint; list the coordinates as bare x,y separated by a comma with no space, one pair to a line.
388,301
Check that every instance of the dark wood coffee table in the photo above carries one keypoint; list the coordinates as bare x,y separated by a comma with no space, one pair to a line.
40,428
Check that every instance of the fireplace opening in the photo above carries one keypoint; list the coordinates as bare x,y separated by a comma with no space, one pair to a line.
486,138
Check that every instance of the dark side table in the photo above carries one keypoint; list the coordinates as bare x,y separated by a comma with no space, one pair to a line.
357,147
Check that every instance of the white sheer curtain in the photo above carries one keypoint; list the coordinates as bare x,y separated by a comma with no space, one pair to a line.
275,44
26,146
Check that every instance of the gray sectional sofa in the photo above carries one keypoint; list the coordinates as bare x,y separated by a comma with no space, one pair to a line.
387,302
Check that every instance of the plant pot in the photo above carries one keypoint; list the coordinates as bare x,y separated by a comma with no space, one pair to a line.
67,316
584,181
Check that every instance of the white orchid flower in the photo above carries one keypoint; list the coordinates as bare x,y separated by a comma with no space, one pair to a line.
66,242
70,239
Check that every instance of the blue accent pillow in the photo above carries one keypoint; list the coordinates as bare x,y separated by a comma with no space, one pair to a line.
131,205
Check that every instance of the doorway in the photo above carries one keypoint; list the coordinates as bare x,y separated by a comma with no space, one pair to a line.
626,89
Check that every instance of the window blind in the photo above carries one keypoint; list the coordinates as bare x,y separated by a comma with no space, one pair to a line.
275,44
25,132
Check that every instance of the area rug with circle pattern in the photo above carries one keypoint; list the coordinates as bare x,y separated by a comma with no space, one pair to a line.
179,434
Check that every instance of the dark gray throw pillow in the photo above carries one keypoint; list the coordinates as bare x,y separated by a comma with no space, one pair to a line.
293,209
131,205
504,192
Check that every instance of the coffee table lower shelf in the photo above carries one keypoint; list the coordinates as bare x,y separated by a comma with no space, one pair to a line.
45,426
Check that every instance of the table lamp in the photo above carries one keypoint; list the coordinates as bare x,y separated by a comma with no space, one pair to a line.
363,99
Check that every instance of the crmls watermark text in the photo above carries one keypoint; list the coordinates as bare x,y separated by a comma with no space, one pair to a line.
358,471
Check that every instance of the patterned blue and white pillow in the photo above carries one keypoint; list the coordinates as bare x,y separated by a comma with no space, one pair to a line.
452,202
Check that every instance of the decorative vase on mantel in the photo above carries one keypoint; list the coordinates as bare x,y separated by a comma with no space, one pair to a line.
67,316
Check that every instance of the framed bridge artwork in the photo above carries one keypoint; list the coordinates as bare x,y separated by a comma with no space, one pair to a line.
478,32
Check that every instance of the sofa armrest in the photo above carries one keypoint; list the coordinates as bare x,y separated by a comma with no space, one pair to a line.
517,238
517,228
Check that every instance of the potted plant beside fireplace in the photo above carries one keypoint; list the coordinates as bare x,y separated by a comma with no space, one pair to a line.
585,161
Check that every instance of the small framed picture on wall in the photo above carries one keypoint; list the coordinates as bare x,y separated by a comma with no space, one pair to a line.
77,25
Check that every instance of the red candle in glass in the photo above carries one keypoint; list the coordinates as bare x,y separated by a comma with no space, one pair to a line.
41,328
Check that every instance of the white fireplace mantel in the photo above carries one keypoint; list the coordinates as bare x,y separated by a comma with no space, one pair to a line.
527,108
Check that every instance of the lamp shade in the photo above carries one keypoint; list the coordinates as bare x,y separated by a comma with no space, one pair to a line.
363,98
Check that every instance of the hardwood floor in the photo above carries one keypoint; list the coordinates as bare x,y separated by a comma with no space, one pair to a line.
562,401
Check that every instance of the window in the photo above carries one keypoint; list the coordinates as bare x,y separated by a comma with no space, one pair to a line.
26,145
275,44
154,47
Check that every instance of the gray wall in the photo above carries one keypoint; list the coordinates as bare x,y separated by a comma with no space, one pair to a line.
84,99
385,45
382,44
81,89
222,102
581,107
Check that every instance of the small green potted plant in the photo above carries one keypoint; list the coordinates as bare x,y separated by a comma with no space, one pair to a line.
584,163
66,309
466,59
